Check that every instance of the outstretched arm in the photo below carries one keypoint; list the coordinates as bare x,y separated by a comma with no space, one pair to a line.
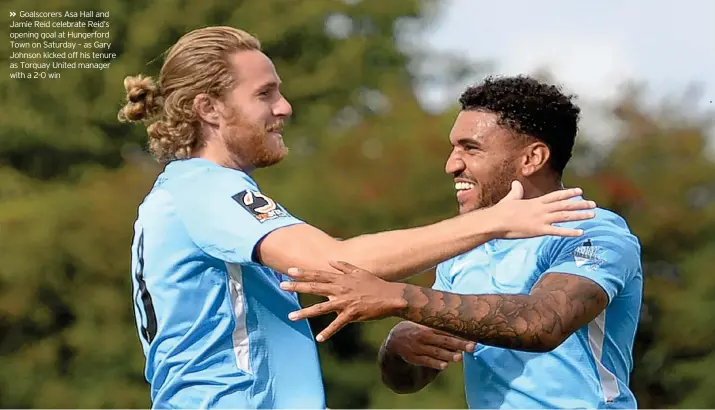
540,321
558,305
396,255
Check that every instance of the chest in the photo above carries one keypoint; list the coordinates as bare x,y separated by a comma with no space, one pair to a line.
509,268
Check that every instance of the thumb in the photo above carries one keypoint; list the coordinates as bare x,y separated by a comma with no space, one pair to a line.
517,191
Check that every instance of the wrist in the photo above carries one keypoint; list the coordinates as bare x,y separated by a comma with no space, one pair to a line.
489,223
396,301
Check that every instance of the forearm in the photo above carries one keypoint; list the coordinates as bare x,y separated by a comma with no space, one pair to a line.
396,255
522,322
391,255
399,375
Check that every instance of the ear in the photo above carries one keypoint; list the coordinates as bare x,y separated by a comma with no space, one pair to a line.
535,157
208,109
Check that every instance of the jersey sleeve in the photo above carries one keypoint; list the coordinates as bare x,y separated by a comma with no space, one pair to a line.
441,279
226,215
608,257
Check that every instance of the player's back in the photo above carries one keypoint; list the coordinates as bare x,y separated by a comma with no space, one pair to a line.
213,324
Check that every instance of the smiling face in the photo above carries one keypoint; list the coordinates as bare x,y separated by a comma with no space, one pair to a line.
485,159
252,126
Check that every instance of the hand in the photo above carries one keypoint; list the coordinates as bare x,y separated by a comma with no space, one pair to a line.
424,346
356,295
525,218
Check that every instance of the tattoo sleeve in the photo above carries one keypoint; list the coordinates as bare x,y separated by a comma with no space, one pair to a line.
557,306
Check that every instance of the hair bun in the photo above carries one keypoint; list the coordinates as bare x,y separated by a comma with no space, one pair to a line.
143,99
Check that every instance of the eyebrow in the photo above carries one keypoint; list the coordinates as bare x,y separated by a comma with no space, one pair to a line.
268,85
470,141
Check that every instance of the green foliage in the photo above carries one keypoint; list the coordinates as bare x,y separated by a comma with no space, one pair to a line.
660,178
362,161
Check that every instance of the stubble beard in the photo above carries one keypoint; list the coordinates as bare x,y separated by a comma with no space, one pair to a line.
496,188
253,143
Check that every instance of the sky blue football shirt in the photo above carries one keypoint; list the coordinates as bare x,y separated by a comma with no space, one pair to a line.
213,324
591,369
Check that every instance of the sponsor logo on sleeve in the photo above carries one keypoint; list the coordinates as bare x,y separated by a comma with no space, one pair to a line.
260,206
588,256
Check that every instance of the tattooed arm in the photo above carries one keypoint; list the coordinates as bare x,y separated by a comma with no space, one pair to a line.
571,294
557,306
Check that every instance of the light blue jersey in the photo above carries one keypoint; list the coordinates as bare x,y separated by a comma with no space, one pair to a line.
591,369
213,323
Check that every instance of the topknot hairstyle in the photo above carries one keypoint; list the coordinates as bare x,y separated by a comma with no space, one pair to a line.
529,107
197,63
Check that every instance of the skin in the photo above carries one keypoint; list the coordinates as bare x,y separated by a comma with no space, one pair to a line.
439,325
244,128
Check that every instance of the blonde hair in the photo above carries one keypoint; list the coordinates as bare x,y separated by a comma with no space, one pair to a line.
197,63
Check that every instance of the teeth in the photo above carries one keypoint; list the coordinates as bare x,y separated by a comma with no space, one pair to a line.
459,186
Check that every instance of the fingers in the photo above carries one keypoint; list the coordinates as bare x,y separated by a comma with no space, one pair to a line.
561,195
444,355
570,205
447,341
346,267
314,288
428,361
318,309
567,232
304,275
337,324
567,210
569,216
517,191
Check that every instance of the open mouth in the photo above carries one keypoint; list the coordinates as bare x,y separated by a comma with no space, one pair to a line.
463,186
465,191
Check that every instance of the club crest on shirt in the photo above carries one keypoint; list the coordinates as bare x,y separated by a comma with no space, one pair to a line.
260,206
588,256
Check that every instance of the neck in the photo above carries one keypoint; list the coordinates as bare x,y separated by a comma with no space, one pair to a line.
223,157
538,185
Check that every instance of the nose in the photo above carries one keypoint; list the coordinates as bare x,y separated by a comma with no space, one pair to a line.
454,164
282,108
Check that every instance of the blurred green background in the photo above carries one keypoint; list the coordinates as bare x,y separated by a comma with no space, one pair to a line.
366,156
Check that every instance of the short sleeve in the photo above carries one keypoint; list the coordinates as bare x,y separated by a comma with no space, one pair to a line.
226,215
606,256
441,279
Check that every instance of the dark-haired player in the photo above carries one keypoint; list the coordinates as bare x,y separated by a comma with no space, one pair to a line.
210,245
553,319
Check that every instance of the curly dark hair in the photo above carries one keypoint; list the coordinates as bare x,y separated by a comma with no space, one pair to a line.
532,108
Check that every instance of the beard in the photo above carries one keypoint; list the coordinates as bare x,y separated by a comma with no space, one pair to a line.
254,143
496,187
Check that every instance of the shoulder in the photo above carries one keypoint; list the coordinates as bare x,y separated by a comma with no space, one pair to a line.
607,230
198,188
196,175
608,224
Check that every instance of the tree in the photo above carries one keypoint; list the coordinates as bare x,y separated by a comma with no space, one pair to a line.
72,177
659,177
